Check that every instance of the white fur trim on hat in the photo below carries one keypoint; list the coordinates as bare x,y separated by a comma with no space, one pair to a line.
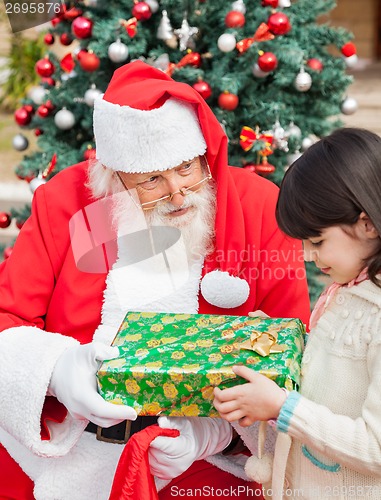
221,289
138,141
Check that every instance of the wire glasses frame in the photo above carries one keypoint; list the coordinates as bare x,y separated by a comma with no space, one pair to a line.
194,188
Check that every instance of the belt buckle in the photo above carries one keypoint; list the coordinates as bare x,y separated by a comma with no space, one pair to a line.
127,433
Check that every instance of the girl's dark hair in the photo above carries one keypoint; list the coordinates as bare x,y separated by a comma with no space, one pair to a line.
335,180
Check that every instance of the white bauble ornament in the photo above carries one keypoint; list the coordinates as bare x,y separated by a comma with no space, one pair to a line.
36,182
91,94
349,106
283,4
20,142
239,6
351,61
303,81
307,143
153,5
37,94
64,119
258,73
226,42
118,52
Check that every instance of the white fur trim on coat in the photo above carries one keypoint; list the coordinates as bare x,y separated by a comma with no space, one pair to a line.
134,140
28,356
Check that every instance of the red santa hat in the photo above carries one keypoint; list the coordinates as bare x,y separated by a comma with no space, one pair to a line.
146,121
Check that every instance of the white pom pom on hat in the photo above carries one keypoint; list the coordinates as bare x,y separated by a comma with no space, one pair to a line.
221,289
259,469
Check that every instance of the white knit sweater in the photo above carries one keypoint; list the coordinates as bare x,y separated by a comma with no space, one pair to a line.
335,423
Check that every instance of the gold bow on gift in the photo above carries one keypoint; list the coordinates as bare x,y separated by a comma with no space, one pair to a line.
263,343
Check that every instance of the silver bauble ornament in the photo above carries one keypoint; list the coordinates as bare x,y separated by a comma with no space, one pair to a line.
118,52
307,143
351,61
36,182
283,4
226,42
67,76
303,81
64,119
349,106
37,94
239,6
153,5
258,73
293,157
20,142
293,131
91,94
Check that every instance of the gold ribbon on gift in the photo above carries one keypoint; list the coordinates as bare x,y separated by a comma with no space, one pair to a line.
263,343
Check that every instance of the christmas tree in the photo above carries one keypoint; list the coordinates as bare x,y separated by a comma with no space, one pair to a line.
273,74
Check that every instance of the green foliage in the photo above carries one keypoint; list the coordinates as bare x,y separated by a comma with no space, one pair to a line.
263,102
23,55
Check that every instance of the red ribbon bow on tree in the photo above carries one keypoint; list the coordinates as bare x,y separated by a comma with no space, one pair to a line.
193,59
248,136
262,34
131,26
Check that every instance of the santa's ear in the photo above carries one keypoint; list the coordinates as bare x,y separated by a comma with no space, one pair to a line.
368,227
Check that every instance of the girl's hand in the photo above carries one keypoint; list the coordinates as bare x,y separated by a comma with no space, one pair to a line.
260,399
258,314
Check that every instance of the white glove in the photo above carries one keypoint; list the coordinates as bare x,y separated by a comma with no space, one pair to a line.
74,384
199,438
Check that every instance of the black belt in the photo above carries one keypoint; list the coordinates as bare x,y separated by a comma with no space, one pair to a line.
120,433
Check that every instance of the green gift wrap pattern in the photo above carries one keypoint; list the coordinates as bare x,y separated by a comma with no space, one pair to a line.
170,363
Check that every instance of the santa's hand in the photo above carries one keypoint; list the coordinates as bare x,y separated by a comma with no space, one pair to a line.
74,383
199,438
258,314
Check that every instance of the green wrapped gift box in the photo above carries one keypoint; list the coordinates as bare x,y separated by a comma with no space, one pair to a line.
170,363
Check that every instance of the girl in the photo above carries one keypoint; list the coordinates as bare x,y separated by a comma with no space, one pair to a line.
329,434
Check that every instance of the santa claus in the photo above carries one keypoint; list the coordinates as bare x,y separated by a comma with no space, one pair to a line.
158,222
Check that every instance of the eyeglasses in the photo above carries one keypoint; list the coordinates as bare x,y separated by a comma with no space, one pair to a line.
185,191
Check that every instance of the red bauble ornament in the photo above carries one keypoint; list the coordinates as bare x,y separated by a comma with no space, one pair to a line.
142,11
228,101
66,39
5,220
89,61
49,81
80,53
72,14
44,67
270,3
203,88
7,252
315,64
250,167
38,132
49,39
28,108
264,168
22,117
55,21
20,223
279,23
82,27
267,62
43,111
349,49
235,19
90,153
